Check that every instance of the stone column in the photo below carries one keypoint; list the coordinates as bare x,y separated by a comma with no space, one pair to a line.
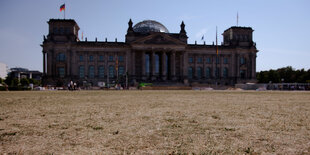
106,66
203,72
133,64
195,67
185,67
143,66
253,66
96,58
232,65
173,65
49,63
238,66
153,59
164,65
53,58
68,63
44,63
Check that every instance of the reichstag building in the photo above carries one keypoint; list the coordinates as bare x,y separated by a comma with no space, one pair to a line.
149,54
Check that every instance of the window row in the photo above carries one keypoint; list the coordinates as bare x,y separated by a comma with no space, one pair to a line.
101,58
208,60
61,30
208,73
111,72
60,57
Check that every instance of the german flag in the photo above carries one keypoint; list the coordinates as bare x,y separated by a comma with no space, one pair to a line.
62,7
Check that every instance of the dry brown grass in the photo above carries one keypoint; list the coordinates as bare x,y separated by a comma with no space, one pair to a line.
155,122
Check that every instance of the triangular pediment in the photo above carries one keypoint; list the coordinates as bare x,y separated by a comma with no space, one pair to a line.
158,39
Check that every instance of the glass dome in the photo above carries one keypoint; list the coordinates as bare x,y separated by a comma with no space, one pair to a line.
147,26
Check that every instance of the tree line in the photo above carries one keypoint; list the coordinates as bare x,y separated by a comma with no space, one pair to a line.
285,74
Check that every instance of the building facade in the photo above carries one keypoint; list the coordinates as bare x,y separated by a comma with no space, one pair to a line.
3,70
150,53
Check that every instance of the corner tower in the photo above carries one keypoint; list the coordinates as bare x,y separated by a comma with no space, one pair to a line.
62,30
238,36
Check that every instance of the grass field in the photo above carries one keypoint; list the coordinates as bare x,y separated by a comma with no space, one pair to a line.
154,122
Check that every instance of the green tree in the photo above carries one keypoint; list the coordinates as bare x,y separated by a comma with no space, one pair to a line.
15,82
24,82
34,81
1,80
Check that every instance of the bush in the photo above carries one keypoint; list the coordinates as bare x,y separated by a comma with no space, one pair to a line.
2,88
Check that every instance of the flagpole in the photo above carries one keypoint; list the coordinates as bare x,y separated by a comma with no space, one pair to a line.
65,13
237,19
216,61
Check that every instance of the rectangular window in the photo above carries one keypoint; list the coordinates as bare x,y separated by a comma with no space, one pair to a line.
91,58
190,60
190,72
225,72
101,58
225,60
81,58
208,60
242,60
216,73
111,71
110,58
61,57
208,72
121,70
91,71
199,59
81,71
217,60
199,72
101,72
61,72
121,58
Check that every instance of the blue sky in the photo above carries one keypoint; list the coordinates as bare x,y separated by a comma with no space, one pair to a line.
282,27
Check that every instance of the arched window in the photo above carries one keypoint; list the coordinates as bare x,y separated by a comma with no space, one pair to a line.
208,72
225,72
91,72
190,72
111,71
199,72
81,71
101,71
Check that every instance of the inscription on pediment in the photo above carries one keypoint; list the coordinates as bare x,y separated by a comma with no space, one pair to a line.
159,40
